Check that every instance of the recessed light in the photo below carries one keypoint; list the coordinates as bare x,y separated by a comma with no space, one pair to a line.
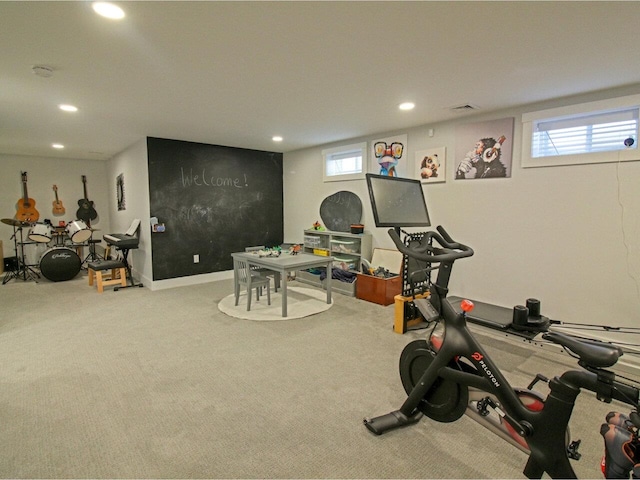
277,138
108,10
58,146
68,108
407,106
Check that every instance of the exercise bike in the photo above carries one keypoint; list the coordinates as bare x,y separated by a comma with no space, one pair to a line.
450,374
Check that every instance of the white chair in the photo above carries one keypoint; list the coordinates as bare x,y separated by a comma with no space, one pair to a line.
265,272
250,279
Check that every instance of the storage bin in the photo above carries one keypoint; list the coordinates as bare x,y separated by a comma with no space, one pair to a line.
345,246
311,241
377,289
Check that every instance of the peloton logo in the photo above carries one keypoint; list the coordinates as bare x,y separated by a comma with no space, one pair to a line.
477,356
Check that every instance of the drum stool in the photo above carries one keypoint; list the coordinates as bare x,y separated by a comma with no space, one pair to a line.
116,266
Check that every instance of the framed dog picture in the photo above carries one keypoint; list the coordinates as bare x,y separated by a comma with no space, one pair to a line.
430,165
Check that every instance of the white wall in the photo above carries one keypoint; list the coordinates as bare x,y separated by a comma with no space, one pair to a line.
42,174
132,164
569,236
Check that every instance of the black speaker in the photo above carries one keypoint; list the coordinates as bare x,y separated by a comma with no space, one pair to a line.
11,264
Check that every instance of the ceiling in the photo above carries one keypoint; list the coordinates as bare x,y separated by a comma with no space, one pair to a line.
237,73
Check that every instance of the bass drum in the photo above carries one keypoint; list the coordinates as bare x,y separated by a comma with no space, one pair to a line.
446,401
59,264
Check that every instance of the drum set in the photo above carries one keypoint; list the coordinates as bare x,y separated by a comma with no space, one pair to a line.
60,260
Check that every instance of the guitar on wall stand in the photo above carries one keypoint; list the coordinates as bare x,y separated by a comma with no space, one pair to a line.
58,208
26,206
86,211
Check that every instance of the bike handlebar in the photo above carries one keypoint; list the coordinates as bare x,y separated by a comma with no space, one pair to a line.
448,251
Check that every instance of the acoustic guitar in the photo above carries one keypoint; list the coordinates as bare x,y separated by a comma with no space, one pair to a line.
26,206
86,211
58,208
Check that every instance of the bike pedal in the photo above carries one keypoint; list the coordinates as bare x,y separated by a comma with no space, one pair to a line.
572,450
481,406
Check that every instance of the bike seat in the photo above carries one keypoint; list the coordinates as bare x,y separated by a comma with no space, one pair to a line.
591,352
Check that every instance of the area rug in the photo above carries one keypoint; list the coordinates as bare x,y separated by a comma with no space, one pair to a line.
301,302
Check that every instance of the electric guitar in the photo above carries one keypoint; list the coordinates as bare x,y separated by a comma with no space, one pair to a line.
58,208
86,211
26,206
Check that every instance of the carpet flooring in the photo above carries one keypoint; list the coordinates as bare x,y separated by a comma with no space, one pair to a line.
161,384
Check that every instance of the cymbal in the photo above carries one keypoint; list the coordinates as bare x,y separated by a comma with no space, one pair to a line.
15,223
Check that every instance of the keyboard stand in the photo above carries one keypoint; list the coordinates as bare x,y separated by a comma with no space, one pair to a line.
125,260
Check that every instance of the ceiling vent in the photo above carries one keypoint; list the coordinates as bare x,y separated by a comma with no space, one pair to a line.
42,71
463,108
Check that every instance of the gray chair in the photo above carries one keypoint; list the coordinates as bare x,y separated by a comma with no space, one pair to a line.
265,272
247,277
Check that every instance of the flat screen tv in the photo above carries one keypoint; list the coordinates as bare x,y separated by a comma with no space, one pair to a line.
397,202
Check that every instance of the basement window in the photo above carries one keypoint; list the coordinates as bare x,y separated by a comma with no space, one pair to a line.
344,163
596,132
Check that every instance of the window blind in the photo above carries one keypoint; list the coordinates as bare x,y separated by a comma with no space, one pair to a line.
597,132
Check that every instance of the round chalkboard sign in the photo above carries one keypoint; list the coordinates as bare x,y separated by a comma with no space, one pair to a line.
340,210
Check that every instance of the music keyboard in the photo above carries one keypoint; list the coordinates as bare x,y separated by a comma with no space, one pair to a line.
121,240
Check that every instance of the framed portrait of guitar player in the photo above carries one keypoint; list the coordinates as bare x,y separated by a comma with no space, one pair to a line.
120,192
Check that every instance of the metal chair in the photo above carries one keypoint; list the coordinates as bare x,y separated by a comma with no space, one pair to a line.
265,272
250,279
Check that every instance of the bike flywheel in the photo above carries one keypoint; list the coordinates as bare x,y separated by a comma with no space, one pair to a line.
446,401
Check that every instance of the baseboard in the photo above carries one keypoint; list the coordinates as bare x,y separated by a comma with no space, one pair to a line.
186,281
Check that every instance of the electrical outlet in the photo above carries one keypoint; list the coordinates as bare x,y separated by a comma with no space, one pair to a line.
196,259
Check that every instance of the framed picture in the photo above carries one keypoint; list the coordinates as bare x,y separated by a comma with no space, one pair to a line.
484,149
430,165
120,192
388,156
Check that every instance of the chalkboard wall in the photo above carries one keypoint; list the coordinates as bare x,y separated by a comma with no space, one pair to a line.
213,200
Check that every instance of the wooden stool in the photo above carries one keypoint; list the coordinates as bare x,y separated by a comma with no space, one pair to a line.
96,271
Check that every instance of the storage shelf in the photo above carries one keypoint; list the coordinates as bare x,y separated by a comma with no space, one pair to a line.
345,288
336,243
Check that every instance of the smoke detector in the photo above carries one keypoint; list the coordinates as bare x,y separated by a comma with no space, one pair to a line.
42,71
